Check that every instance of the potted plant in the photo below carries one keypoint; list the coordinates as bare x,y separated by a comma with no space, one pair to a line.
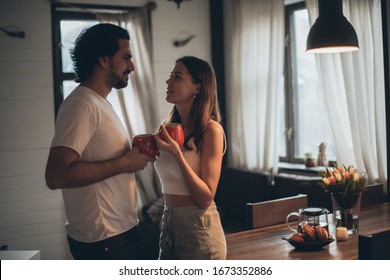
310,160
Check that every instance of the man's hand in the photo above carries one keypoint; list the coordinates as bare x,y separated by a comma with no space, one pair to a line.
134,160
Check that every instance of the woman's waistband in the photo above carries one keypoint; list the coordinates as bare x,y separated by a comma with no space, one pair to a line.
186,210
175,200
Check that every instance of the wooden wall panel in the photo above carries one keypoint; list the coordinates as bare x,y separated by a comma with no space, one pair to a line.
32,216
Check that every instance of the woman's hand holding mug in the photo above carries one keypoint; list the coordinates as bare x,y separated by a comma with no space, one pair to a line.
174,130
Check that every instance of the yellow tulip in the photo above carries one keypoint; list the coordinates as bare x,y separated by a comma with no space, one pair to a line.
325,181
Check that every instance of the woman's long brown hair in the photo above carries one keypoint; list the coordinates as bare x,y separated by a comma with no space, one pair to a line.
205,106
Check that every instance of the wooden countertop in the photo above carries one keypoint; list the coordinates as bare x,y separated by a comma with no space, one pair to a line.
267,243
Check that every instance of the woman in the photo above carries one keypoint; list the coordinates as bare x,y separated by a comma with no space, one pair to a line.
191,226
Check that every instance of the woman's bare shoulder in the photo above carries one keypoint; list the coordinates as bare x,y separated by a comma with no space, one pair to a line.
214,125
213,129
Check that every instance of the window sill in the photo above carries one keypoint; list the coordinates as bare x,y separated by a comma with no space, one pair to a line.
299,169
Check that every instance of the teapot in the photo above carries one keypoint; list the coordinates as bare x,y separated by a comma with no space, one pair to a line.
312,216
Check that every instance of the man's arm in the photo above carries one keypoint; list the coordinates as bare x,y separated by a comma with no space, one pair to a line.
65,170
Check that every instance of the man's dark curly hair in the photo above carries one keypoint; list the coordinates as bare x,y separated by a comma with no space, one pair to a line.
93,43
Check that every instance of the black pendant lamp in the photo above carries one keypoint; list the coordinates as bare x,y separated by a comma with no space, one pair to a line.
178,2
331,32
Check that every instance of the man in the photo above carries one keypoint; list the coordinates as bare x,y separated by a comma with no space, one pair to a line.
90,157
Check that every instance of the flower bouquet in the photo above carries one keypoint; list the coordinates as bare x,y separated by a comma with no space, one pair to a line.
342,179
346,185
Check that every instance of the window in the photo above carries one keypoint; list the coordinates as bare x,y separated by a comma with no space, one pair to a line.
68,22
70,29
306,121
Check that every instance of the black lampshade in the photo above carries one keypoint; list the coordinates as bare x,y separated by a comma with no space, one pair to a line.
331,32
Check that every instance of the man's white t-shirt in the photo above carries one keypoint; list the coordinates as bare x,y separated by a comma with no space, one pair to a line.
88,124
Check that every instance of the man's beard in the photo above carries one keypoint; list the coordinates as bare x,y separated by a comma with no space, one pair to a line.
118,82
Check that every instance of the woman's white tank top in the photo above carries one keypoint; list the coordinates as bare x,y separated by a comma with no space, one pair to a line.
169,172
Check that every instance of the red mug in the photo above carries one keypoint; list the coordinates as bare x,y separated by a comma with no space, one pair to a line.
175,131
146,144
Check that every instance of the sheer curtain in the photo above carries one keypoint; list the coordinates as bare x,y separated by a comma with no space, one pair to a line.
131,103
353,88
254,58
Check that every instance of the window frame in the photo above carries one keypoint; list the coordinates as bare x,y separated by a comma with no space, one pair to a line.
290,88
70,11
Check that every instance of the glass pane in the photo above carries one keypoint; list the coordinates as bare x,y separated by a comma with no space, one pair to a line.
70,29
311,119
130,108
67,87
282,149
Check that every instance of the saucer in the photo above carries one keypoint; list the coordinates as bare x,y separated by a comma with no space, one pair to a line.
308,246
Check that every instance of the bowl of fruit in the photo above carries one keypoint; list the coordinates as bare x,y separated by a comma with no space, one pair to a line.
310,238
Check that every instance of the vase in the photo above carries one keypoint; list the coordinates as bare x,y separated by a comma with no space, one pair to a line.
346,210
310,162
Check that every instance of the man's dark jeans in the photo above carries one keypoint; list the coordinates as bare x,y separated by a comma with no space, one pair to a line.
124,246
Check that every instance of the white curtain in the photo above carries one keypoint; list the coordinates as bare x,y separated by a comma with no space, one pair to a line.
353,87
133,102
254,58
